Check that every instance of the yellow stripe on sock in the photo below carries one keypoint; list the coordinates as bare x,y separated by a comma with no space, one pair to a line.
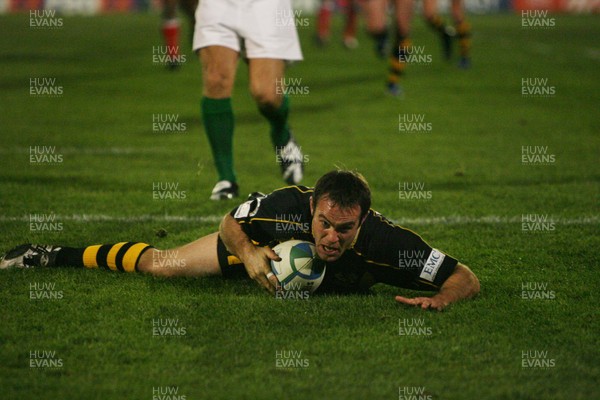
132,256
396,65
89,256
464,28
111,258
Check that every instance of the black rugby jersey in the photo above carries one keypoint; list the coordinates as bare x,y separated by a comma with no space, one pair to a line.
381,252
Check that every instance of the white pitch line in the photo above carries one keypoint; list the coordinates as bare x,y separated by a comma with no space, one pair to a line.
214,219
88,150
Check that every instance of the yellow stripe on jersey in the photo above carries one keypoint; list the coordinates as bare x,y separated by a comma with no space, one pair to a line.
89,256
233,260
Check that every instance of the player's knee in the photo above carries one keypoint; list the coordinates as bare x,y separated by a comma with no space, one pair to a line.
217,84
266,98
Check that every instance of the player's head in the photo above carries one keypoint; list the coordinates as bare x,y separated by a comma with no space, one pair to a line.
339,205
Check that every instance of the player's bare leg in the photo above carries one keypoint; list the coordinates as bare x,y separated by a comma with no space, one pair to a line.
198,258
268,89
376,20
218,71
266,81
219,64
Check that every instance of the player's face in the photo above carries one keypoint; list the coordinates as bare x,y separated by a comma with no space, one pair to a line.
333,228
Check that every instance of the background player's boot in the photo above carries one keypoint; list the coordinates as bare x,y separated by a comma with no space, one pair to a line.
291,161
350,42
394,89
225,190
30,255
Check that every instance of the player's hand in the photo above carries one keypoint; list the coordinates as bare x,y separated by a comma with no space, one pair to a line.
436,302
258,266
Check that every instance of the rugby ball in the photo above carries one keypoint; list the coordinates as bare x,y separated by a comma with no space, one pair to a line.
300,269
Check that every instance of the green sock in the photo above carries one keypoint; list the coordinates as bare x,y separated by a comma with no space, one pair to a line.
217,115
280,131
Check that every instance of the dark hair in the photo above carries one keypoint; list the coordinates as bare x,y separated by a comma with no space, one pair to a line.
345,188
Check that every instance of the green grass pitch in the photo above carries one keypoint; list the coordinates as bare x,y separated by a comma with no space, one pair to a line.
531,334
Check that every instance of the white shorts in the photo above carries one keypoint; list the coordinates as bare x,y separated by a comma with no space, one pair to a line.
266,28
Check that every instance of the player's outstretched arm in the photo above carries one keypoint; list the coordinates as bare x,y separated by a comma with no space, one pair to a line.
256,259
462,284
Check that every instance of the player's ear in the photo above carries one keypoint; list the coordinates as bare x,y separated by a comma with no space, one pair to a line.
312,207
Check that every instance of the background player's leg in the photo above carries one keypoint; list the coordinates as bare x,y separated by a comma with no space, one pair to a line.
218,75
435,22
375,16
401,49
170,30
351,13
324,21
266,82
463,32
267,87
198,258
